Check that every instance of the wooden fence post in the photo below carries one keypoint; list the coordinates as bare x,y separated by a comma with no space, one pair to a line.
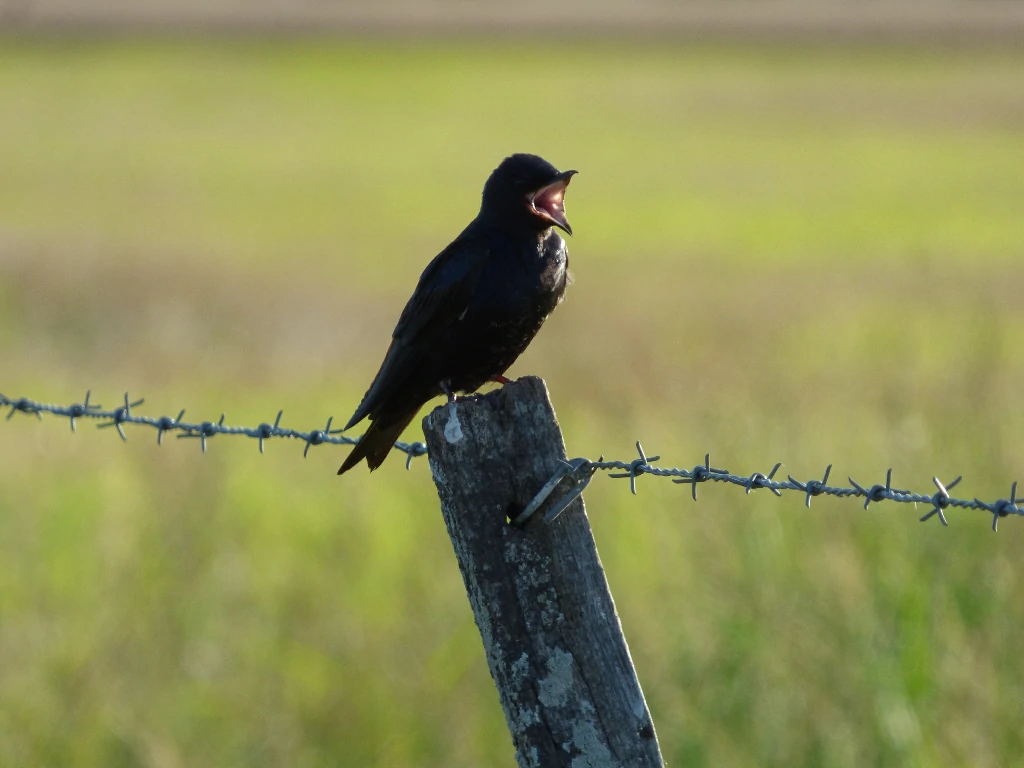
549,627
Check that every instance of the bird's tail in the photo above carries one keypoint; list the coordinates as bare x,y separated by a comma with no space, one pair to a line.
375,445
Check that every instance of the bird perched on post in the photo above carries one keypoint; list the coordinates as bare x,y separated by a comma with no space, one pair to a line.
477,305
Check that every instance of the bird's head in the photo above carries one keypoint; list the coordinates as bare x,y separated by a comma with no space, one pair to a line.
527,190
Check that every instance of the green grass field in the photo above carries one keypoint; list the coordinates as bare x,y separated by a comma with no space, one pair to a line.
808,255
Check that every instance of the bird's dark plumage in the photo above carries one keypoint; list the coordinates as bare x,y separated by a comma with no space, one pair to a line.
477,305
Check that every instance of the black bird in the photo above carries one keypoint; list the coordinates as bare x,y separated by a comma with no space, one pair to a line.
478,303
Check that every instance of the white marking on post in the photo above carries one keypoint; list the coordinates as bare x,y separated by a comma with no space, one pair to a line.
453,429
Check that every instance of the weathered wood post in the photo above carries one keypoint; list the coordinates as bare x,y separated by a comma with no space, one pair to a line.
551,635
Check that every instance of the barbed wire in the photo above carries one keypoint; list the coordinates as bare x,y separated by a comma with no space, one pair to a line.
204,431
574,476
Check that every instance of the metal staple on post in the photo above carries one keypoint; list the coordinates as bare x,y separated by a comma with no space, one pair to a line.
576,473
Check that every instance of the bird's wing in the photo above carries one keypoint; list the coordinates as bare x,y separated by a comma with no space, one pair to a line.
442,293
440,299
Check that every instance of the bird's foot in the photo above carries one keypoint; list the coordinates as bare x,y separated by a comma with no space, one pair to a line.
499,379
446,387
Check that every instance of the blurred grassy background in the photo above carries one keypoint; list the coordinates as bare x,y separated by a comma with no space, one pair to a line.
808,254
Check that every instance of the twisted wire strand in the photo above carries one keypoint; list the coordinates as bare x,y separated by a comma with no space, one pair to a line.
577,472
202,430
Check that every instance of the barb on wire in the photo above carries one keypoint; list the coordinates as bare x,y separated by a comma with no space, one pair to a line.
699,474
574,475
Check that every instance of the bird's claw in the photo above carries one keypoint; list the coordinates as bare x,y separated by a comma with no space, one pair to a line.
446,387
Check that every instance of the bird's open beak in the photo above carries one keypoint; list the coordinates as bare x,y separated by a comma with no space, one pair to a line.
549,202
